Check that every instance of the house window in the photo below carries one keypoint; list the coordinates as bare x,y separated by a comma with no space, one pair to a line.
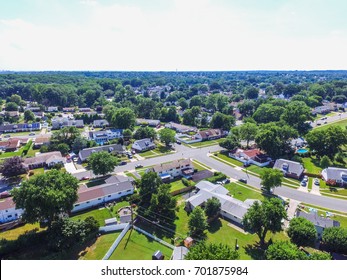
9,216
120,193
128,190
109,195
76,205
88,202
99,198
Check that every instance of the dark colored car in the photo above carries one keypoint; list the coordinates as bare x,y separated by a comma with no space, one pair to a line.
243,180
123,163
138,165
4,194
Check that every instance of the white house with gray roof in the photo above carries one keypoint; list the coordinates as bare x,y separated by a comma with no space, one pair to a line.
335,175
114,148
100,123
289,168
149,122
231,208
319,222
143,145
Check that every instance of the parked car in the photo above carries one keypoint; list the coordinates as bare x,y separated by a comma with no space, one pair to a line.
5,194
130,156
316,181
85,178
243,180
123,163
31,134
178,142
138,165
7,136
226,181
305,178
303,183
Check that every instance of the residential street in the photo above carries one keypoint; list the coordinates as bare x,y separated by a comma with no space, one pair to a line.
200,154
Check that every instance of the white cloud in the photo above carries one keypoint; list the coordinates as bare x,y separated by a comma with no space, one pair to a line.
191,35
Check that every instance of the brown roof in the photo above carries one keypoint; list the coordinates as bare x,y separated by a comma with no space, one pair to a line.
171,165
42,158
10,144
252,153
7,203
42,139
210,132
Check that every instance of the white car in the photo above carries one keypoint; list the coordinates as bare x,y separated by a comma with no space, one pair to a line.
305,178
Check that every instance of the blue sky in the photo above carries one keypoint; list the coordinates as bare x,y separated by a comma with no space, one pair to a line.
173,34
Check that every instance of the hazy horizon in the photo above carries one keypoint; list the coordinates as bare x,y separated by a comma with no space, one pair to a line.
170,35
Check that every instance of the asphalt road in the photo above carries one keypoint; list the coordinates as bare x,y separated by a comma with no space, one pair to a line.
201,154
330,119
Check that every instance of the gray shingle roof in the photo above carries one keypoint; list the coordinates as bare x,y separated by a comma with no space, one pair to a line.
318,220
334,173
145,143
289,166
98,123
85,153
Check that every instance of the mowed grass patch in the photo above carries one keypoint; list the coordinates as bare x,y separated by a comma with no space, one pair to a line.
98,250
242,193
312,165
232,161
100,215
14,233
137,246
176,185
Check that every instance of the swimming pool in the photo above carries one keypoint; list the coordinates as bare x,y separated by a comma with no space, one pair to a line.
301,151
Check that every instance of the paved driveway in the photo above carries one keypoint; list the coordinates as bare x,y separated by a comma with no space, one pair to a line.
70,167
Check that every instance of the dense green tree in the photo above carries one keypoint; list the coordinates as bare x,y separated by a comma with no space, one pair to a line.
222,121
271,178
15,98
145,132
197,223
325,162
183,103
79,144
265,217
102,162
302,232
148,185
296,114
284,250
230,143
13,167
212,207
66,135
167,136
211,251
29,116
251,93
335,239
11,106
163,204
195,101
248,131
45,197
268,113
123,118
63,148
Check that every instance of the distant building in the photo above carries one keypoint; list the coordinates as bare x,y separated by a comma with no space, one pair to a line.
52,109
114,148
100,123
143,145
8,211
41,140
335,175
253,156
289,168
99,195
60,122
10,145
104,136
69,109
319,222
84,110
44,160
33,109
171,170
12,114
298,142
180,127
20,127
149,122
325,109
210,134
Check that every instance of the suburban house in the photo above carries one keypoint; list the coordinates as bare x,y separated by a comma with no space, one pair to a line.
33,109
180,127
41,140
143,145
103,136
52,109
231,208
153,123
44,160
60,122
325,109
335,175
84,110
100,123
99,195
10,145
209,134
114,148
177,168
298,142
12,114
8,211
69,109
20,127
319,222
253,156
289,168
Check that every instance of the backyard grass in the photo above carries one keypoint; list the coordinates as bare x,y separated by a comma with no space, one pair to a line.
176,185
206,143
137,246
242,193
14,233
32,151
129,174
98,250
100,215
256,169
38,171
200,166
311,165
17,153
228,159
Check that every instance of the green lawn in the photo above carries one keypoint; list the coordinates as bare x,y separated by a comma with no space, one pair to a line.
117,206
310,182
14,233
158,151
228,159
176,185
242,193
137,246
206,143
17,153
38,171
199,166
98,250
100,215
129,174
256,169
32,152
311,164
